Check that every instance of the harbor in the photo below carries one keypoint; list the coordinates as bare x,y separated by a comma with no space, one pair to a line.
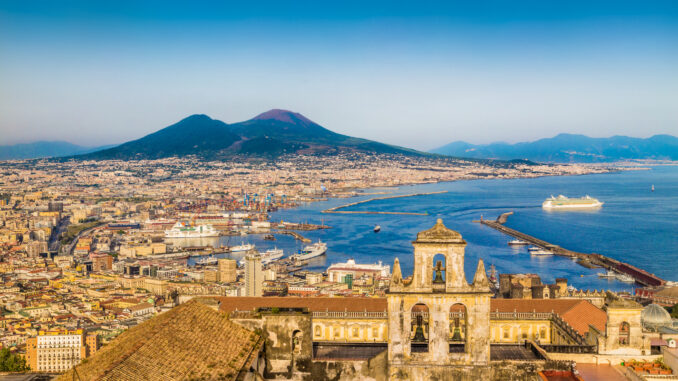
590,260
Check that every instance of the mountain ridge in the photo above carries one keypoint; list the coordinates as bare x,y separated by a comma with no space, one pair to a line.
43,149
564,148
270,134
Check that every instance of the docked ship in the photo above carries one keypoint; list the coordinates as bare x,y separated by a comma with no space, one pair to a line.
533,250
311,251
211,260
185,230
268,256
562,202
242,247
517,242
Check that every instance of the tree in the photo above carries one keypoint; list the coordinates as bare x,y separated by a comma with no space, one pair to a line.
674,312
10,362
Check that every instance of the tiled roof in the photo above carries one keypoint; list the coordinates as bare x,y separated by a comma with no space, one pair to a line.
229,304
191,341
576,312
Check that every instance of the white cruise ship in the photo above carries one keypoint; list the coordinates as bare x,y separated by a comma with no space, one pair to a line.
185,230
268,256
242,247
562,202
311,251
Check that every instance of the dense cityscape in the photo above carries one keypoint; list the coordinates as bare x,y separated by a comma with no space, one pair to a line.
92,249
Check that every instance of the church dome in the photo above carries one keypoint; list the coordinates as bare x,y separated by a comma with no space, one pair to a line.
655,316
439,233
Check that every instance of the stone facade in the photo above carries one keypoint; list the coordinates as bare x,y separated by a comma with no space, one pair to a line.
439,325
624,330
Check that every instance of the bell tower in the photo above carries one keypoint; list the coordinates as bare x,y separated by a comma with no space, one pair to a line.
439,324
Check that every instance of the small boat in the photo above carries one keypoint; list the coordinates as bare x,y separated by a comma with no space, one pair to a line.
608,274
540,252
517,242
625,278
653,187
377,228
269,237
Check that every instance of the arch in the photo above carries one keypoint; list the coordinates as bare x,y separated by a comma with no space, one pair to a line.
439,273
317,331
419,327
296,341
458,328
624,333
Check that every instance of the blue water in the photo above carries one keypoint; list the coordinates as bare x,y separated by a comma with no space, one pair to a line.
635,225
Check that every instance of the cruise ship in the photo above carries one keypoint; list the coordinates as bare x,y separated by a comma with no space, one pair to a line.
268,256
311,251
242,247
562,202
185,230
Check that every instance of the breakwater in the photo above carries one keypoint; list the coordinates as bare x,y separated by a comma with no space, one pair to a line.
640,276
336,209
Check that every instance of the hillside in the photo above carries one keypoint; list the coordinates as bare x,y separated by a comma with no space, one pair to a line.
565,148
271,134
41,149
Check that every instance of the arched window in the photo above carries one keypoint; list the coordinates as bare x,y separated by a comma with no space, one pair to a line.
355,332
419,328
457,334
624,333
296,342
317,331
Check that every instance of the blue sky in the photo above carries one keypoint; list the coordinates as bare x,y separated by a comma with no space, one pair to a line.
418,74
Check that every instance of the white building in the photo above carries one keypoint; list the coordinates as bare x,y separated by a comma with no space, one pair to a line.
338,271
254,276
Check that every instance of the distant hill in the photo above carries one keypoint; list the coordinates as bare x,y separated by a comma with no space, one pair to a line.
42,149
565,148
270,134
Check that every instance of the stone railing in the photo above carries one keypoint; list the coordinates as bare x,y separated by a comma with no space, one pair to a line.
350,315
521,315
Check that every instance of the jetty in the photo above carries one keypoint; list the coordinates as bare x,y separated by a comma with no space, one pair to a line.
295,235
640,276
337,210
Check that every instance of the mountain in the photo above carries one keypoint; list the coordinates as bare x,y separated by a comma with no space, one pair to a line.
270,134
42,149
566,148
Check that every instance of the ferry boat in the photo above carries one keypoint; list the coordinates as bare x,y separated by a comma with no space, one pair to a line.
185,230
562,202
268,256
242,247
311,251
517,242
211,260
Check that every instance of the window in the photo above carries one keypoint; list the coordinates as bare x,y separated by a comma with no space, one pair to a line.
356,332
375,332
317,331
624,333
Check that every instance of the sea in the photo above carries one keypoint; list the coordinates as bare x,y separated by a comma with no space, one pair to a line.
635,224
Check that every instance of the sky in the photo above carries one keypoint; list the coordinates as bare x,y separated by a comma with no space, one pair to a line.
418,74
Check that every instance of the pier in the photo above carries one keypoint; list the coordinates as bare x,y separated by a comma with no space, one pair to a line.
640,276
336,208
295,235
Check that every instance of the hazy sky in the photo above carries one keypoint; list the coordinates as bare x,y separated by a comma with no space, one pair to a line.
412,73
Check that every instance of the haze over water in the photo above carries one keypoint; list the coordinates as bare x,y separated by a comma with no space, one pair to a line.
635,225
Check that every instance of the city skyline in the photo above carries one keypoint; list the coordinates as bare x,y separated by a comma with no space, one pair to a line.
411,76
